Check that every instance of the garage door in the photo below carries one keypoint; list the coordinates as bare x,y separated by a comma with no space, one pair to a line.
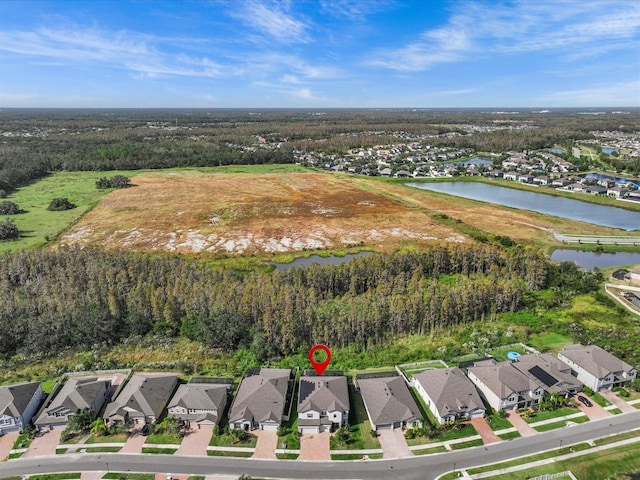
386,426
270,428
304,430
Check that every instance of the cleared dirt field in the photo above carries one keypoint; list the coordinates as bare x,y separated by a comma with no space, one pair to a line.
248,213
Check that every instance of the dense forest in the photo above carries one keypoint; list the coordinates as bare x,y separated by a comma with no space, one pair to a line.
36,142
77,298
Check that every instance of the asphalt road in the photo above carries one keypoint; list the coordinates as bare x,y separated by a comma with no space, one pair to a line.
605,240
418,468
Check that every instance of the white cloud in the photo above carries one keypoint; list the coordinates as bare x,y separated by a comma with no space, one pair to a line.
567,28
273,19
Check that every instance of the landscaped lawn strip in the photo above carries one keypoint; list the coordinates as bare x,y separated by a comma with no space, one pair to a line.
496,423
360,438
509,436
115,438
549,414
617,438
427,451
470,443
163,439
221,453
552,426
224,440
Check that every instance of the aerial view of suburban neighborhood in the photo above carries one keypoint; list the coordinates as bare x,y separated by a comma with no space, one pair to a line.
330,239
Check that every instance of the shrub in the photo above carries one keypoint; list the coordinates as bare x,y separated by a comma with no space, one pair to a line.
9,230
587,390
117,181
9,208
59,204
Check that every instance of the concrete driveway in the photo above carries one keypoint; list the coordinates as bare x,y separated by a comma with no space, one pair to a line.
484,430
619,402
6,444
44,445
134,443
523,427
196,441
393,444
266,444
315,446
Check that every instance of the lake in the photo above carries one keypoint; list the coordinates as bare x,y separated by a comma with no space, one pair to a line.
331,260
609,150
588,260
557,150
538,202
600,176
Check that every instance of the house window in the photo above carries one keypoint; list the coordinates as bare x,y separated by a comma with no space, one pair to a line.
309,415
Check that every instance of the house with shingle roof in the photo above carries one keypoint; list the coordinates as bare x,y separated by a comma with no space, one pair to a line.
260,401
18,403
142,399
503,386
323,403
199,403
550,373
449,394
388,402
597,368
76,395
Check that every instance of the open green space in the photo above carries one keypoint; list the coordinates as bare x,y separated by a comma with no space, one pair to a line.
552,426
549,342
591,466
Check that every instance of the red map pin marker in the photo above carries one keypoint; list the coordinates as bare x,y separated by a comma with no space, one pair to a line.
320,367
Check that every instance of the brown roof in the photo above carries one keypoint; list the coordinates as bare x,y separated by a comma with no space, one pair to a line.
323,394
261,397
595,360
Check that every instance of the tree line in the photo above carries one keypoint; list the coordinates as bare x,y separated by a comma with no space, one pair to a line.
76,298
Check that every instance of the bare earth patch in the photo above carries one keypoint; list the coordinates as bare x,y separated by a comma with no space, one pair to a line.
192,212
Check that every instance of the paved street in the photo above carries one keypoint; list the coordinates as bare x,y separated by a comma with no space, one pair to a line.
414,468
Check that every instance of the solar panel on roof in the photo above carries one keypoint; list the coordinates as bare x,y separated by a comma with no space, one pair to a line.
306,388
543,376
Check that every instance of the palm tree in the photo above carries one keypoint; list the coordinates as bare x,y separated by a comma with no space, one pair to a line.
98,427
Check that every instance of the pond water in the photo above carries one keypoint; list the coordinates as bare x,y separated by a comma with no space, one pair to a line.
474,161
538,202
588,260
331,260
557,150
609,150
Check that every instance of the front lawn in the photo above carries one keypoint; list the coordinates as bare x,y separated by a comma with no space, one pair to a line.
115,438
224,440
497,423
360,437
558,412
163,439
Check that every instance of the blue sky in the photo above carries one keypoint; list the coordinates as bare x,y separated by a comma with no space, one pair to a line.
319,53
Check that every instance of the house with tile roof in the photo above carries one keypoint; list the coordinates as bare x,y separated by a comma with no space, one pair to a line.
388,402
261,399
201,404
597,368
143,398
504,387
76,395
18,403
323,403
449,394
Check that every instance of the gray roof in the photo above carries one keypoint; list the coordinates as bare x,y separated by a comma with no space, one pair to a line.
14,399
76,394
261,397
146,393
323,394
200,396
502,379
388,400
450,390
595,360
548,372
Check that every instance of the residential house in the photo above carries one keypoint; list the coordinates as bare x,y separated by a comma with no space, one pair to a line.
261,399
142,399
560,182
76,395
597,368
549,373
200,403
617,191
18,403
596,190
323,403
542,180
386,172
525,178
503,386
449,394
511,175
388,402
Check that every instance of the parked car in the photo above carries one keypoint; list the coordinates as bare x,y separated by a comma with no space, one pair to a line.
144,431
585,401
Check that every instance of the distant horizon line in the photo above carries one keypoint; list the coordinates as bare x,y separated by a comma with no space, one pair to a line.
537,109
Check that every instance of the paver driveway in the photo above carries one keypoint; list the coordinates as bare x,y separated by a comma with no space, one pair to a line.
266,444
44,445
393,444
315,446
196,441
134,443
617,401
593,412
523,427
484,430
6,444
